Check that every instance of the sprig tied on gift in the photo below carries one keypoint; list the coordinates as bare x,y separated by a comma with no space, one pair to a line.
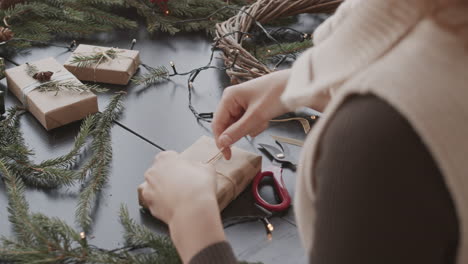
101,56
50,85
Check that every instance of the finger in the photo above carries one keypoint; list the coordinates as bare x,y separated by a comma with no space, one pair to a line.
149,175
163,155
237,130
141,199
258,130
227,112
227,153
144,197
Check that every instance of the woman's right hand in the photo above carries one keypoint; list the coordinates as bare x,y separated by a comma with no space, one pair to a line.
246,109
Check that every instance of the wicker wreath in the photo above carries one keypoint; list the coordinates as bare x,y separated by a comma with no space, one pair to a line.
246,65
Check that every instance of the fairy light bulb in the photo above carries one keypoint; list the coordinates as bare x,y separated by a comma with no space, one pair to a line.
270,237
82,235
270,227
173,67
167,12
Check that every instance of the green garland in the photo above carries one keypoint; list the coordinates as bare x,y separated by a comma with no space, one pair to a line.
42,239
185,15
42,20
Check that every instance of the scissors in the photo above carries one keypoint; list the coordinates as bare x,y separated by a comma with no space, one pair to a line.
280,157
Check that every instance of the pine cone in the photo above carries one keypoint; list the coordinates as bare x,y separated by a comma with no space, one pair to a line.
6,34
43,76
4,4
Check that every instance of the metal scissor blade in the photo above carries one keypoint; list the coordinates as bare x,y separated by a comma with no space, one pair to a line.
278,155
274,152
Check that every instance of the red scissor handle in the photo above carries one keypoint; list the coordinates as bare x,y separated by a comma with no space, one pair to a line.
280,188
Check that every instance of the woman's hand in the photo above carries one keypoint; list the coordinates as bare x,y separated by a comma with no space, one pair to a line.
246,109
183,195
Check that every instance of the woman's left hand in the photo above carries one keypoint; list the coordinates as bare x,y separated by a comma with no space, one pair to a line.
173,184
183,194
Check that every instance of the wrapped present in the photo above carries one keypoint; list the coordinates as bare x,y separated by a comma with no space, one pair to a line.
51,93
101,64
232,176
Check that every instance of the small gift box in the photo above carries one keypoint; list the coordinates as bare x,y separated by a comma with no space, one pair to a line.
232,175
101,64
51,108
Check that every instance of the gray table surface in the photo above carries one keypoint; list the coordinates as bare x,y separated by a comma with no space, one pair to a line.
160,115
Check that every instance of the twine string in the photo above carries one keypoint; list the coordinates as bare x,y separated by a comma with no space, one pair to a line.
66,75
212,161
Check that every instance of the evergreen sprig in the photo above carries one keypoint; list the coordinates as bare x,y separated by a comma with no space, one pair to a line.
41,239
47,174
31,70
94,174
267,52
137,236
67,85
153,76
83,61
70,86
187,16
43,20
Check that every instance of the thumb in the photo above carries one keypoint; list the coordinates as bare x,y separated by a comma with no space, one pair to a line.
141,199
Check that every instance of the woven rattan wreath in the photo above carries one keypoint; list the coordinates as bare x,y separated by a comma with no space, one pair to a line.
246,65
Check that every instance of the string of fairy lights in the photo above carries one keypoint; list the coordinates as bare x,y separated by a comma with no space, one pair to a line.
194,73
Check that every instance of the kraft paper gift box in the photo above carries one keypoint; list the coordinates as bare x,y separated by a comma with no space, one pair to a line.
233,175
118,70
51,109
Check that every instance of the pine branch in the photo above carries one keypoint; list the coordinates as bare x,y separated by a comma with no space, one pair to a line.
154,75
48,174
32,19
267,52
31,70
84,61
98,165
71,86
68,160
180,11
138,236
17,205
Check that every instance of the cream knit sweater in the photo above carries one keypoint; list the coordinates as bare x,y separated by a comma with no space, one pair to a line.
394,50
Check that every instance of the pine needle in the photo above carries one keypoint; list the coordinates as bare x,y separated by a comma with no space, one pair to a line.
268,52
31,69
154,76
66,85
70,86
43,20
97,168
84,61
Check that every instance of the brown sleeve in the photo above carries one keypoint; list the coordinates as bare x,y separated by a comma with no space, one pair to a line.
217,253
380,196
